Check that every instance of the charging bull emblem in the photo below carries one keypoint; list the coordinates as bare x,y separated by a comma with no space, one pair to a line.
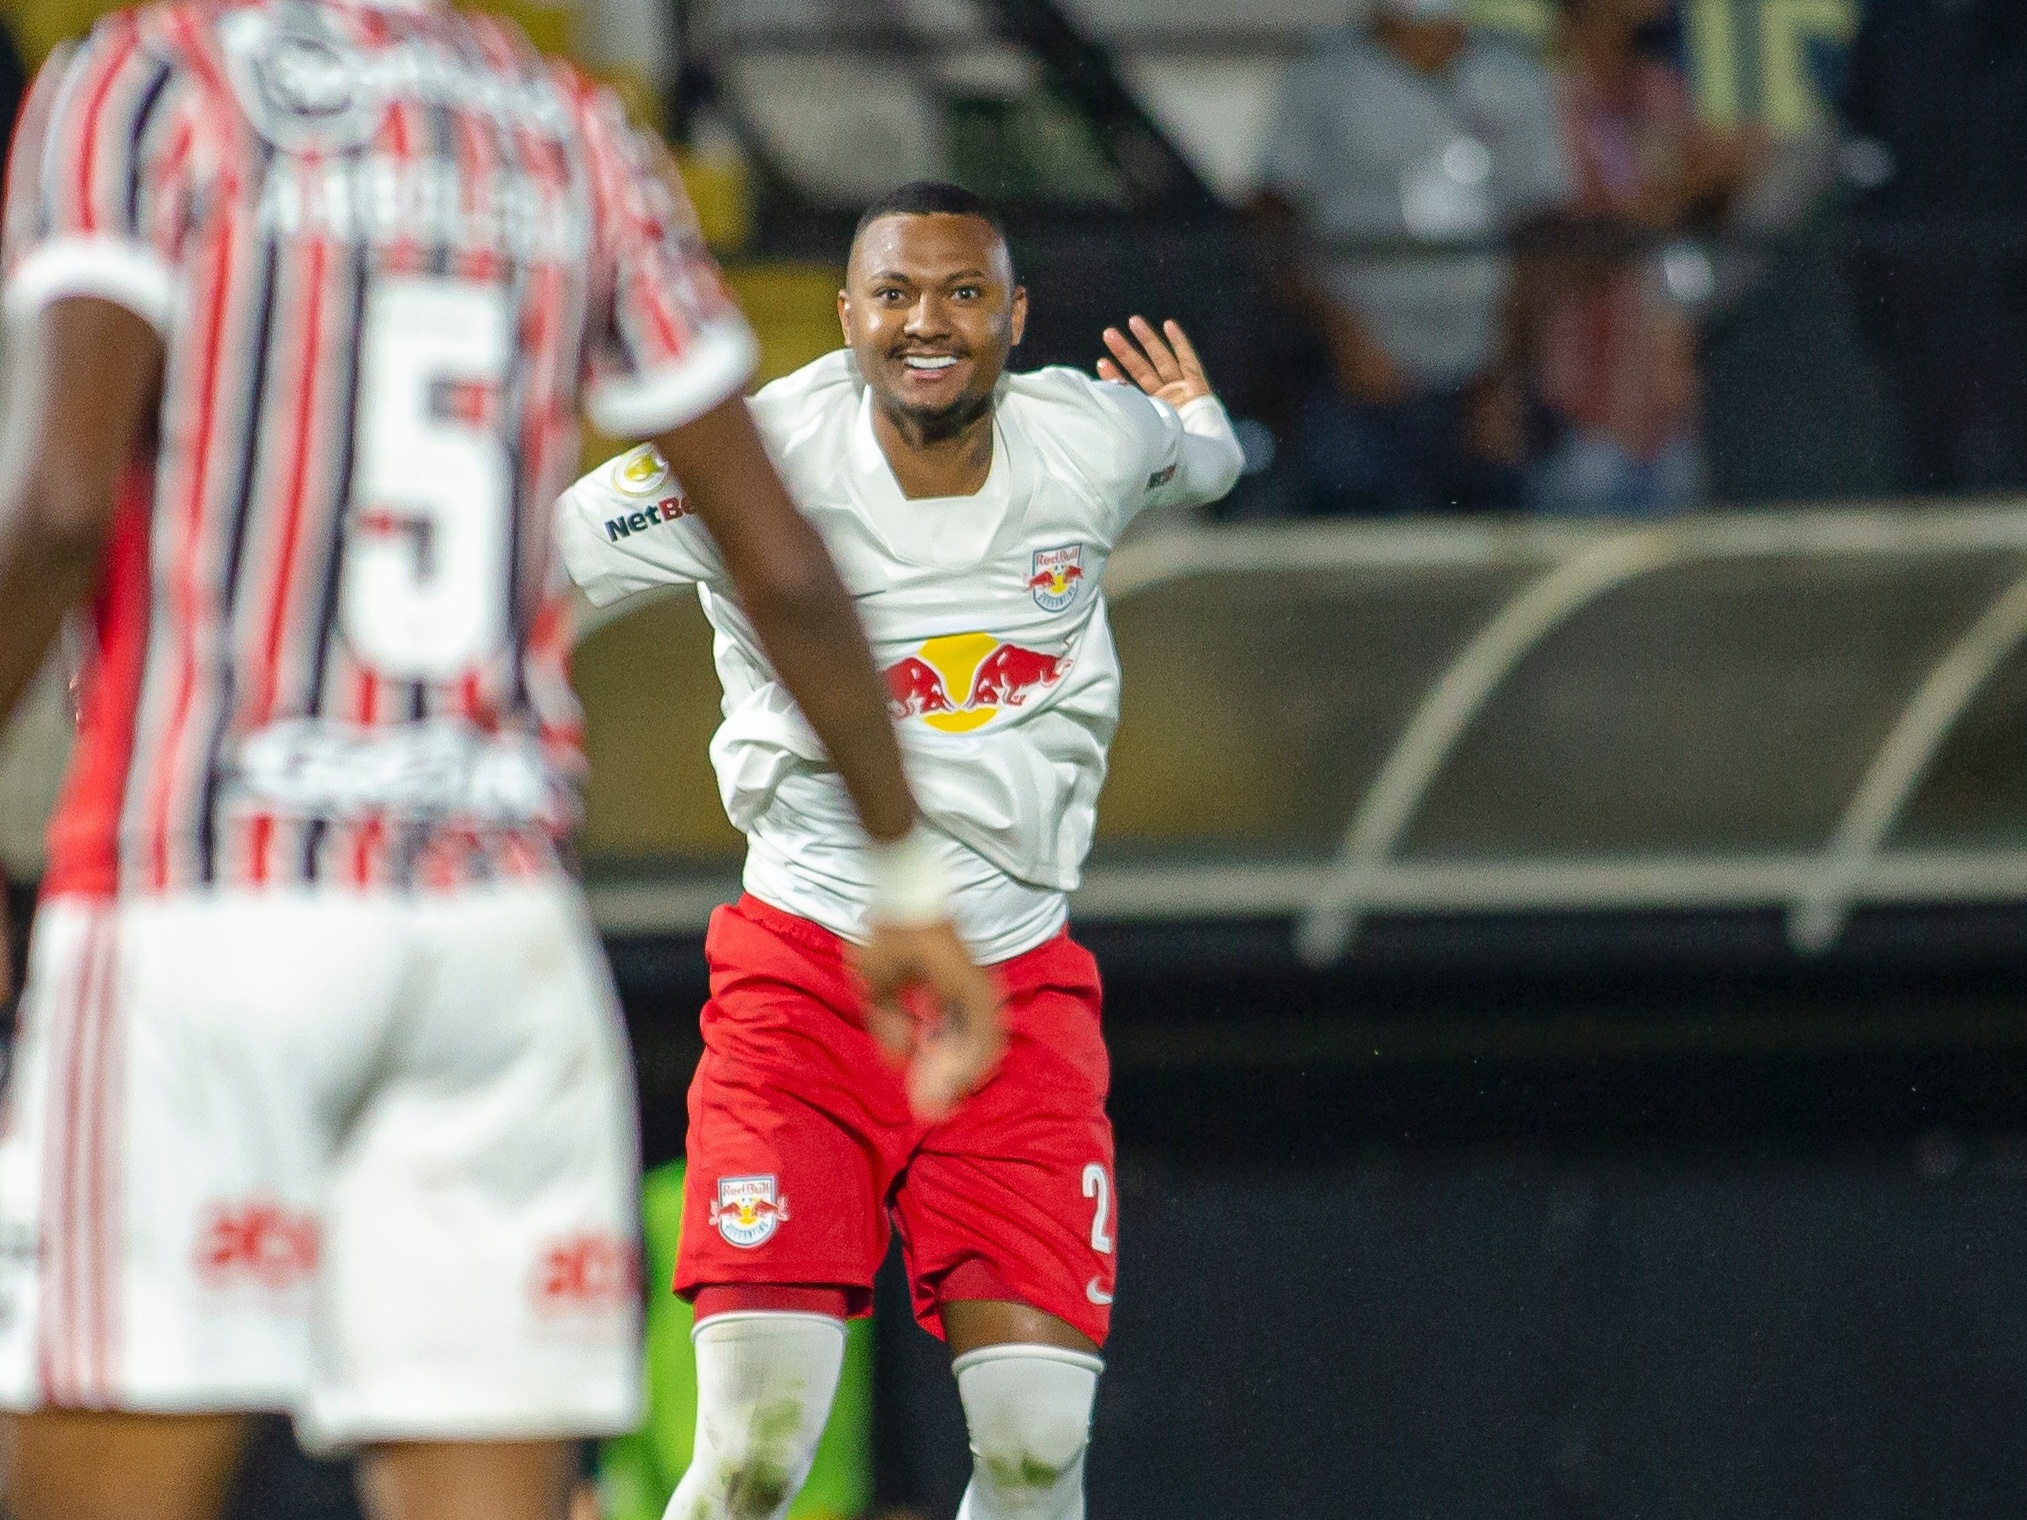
964,680
749,1210
1056,576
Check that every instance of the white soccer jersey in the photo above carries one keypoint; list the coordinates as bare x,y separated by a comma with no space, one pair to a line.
984,612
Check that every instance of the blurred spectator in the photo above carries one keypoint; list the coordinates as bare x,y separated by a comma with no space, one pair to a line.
1617,362
1408,148
1937,100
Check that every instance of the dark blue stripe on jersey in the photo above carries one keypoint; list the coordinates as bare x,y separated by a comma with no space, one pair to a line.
513,417
251,433
341,514
150,98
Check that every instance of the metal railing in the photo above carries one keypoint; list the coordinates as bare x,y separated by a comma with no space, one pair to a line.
1562,570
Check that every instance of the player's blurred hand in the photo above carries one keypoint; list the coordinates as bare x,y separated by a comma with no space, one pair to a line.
1164,364
950,1055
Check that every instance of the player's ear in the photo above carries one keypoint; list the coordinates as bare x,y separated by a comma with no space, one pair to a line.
845,316
1020,314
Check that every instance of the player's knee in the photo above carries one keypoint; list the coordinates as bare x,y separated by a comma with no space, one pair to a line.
1034,1453
759,1454
1029,1412
764,1387
751,1482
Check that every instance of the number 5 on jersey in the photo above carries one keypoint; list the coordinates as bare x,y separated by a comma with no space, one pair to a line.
426,572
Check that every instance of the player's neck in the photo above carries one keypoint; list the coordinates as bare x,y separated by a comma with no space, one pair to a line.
927,463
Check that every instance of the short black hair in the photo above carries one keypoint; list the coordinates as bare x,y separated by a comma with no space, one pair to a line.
931,197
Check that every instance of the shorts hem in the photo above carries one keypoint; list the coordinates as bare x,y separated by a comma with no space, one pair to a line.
405,1418
201,1402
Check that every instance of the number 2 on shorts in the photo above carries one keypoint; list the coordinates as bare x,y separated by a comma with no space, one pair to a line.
425,581
1098,1186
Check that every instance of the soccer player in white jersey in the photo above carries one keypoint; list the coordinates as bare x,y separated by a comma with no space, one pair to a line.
320,1101
971,512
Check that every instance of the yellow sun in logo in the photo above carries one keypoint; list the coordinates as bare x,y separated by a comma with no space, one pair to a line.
642,472
956,657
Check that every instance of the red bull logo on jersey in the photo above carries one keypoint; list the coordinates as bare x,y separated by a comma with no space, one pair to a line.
963,681
1057,574
749,1210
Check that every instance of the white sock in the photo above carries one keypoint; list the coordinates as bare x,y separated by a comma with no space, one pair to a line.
1029,1409
765,1381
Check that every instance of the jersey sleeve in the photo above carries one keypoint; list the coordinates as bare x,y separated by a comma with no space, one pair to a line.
667,342
627,527
1188,458
101,186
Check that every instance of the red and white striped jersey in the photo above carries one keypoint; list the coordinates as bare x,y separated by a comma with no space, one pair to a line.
390,251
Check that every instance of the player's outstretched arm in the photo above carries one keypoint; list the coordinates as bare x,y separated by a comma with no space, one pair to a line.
86,375
790,592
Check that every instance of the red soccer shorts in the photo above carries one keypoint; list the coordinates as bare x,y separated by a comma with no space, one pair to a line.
802,1147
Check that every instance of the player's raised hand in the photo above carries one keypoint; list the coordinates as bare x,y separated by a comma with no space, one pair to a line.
950,1055
1163,364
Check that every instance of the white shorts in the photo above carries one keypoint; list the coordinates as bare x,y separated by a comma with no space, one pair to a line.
364,1156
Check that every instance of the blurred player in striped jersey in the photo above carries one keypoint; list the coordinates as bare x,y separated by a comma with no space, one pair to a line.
320,1102
972,512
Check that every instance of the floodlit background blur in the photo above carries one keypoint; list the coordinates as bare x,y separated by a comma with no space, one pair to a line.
1562,885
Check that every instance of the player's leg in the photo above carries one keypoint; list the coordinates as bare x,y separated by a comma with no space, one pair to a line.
64,1464
765,1382
1008,1216
1027,1381
468,1480
796,1126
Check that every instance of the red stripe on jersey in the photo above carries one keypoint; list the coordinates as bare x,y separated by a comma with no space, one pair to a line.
370,835
84,853
87,157
260,840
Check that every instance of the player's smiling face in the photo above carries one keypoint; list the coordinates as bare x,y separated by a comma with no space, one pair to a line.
931,309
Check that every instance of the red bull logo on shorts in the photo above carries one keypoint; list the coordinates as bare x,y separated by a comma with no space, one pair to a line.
749,1210
1057,574
990,676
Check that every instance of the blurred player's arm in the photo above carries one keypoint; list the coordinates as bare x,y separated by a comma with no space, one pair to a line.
84,381
1203,462
85,377
789,590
